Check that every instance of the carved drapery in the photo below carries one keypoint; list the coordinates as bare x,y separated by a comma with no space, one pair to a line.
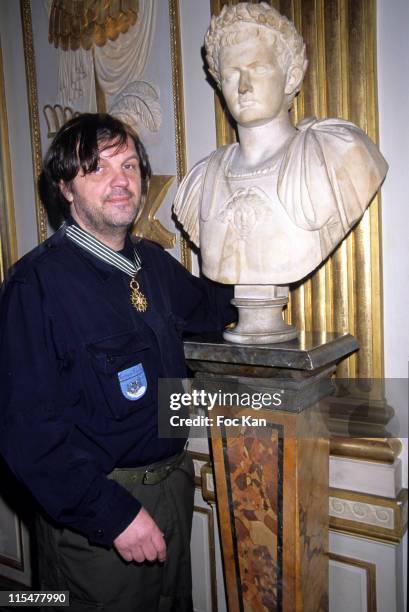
106,72
344,294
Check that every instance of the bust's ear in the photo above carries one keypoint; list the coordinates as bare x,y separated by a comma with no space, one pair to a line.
66,191
294,78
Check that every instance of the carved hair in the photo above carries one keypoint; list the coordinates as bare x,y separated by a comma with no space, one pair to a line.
265,23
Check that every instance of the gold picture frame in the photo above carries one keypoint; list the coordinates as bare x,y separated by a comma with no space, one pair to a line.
35,134
8,239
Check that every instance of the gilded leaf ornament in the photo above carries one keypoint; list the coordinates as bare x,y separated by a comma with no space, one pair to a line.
146,225
83,23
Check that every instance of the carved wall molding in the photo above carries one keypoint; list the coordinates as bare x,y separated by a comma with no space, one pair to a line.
385,450
208,513
29,59
370,570
8,238
178,110
17,562
370,516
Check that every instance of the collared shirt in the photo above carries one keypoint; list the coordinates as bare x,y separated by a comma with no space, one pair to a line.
67,328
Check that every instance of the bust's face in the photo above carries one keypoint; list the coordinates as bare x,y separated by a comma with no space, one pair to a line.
253,84
244,219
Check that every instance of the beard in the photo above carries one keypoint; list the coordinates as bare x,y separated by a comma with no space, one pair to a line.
109,217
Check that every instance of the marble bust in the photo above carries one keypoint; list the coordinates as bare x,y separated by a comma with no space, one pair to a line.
269,209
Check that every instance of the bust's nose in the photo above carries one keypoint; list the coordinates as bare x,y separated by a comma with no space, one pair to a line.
245,83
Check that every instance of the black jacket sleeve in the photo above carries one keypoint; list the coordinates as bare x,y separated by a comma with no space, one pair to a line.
201,304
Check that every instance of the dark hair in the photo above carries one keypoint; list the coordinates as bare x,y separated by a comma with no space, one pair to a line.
76,146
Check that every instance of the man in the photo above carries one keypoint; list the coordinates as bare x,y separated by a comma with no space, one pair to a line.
90,320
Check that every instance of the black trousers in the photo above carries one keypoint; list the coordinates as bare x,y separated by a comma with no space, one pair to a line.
99,579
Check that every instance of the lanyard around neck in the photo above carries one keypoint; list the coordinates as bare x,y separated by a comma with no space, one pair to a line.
103,252
89,243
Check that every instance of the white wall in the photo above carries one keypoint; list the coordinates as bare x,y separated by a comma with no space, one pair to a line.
393,88
393,95
198,94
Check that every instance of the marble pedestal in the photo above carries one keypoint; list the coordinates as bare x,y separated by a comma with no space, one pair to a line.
260,315
271,467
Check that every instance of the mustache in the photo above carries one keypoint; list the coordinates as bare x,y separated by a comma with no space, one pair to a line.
119,192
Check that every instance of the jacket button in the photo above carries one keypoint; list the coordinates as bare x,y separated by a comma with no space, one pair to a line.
111,359
100,533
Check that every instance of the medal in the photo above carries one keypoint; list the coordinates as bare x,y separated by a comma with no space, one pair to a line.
105,253
139,301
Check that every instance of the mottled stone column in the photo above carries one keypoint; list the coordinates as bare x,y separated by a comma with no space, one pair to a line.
271,467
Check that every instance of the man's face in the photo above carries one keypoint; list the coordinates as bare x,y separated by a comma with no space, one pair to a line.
107,200
253,84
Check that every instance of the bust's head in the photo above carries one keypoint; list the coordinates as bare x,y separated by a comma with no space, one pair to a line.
251,47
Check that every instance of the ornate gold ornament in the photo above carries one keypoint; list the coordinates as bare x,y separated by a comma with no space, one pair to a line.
385,450
82,23
146,225
138,300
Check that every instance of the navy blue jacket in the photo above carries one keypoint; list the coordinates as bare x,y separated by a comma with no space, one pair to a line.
67,328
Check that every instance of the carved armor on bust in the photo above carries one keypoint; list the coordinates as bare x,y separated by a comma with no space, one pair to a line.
268,210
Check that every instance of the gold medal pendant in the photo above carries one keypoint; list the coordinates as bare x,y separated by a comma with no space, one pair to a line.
138,299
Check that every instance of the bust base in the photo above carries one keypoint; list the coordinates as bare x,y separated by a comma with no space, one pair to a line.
260,318
289,332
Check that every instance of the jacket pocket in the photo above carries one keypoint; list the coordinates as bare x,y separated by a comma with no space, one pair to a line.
120,365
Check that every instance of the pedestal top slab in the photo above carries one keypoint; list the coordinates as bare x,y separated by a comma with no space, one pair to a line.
311,350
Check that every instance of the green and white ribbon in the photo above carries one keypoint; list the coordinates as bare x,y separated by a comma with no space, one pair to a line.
103,252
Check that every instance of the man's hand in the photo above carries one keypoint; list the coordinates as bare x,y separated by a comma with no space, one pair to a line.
142,540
